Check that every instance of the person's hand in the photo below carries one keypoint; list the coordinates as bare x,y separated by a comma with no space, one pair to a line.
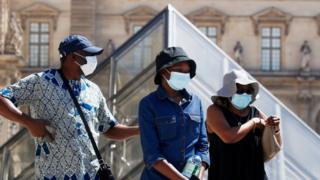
39,128
272,121
259,123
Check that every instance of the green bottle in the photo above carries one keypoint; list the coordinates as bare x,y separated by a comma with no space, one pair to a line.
192,166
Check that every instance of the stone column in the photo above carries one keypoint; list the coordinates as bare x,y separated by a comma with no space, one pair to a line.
4,21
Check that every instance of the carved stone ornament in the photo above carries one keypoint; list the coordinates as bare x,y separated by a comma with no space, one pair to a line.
271,15
39,11
4,20
140,14
305,95
15,35
209,15
238,52
305,51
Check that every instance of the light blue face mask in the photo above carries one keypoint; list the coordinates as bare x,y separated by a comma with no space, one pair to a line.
178,81
241,101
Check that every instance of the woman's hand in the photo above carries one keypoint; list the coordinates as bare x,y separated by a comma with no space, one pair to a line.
272,121
258,123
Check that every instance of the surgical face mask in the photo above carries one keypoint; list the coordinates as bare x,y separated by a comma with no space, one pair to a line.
241,101
91,65
178,81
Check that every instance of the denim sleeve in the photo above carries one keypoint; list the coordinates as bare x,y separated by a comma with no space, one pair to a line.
148,134
23,92
202,147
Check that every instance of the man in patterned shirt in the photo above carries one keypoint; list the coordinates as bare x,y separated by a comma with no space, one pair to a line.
63,149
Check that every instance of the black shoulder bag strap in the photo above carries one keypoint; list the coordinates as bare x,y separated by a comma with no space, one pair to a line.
104,172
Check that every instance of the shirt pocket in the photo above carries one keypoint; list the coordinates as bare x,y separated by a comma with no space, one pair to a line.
166,126
195,124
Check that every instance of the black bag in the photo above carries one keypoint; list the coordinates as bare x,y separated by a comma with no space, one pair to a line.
104,172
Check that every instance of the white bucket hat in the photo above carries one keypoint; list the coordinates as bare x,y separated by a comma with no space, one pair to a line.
230,80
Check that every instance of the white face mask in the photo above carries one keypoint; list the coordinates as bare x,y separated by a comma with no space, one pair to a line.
91,65
178,81
241,101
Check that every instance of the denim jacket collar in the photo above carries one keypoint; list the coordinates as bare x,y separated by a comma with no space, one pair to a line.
162,94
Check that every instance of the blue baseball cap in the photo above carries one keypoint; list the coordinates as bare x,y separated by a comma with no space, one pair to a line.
77,42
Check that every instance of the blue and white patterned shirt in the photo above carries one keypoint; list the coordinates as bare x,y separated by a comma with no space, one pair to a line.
70,155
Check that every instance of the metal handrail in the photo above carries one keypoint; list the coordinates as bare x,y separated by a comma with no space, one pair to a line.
129,84
6,163
29,169
14,139
137,167
143,32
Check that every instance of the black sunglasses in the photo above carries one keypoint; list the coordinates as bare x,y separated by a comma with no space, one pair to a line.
248,91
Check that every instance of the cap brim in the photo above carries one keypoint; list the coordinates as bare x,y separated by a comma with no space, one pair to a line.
92,50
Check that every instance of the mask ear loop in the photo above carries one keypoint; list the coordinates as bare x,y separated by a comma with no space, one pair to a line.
77,63
165,76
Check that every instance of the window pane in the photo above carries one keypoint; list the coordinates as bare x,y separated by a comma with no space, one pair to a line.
203,30
212,31
34,27
276,32
266,32
39,44
271,48
265,56
33,59
275,59
44,27
34,38
276,43
44,55
265,43
213,40
44,38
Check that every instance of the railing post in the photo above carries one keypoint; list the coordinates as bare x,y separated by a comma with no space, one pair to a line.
112,76
5,165
170,26
281,174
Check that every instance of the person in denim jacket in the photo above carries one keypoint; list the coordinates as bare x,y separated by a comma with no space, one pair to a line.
171,120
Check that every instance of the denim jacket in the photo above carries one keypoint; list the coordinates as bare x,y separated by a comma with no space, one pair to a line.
171,131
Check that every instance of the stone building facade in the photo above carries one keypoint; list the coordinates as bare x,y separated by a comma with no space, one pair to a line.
275,40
